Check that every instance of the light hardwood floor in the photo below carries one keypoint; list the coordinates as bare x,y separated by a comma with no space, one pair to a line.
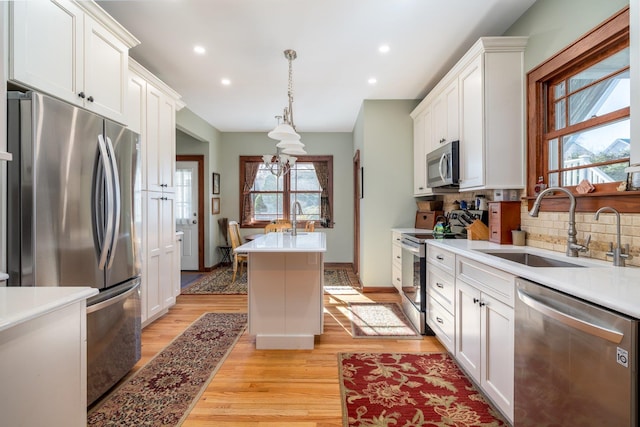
274,387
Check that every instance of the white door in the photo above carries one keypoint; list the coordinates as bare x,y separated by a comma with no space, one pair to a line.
186,197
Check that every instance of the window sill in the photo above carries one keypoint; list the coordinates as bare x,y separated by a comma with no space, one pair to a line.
622,201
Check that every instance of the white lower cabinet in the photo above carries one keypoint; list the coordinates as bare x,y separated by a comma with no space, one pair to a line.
485,329
159,247
441,304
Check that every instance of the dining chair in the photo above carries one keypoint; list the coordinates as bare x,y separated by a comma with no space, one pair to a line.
310,226
278,226
236,240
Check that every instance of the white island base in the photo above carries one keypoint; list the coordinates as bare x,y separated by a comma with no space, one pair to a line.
285,292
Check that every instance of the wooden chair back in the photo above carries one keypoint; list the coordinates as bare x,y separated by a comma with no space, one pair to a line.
234,234
281,226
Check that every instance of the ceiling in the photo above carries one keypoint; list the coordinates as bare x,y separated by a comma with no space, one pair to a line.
336,41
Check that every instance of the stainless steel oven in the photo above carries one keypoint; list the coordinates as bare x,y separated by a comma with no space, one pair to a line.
414,279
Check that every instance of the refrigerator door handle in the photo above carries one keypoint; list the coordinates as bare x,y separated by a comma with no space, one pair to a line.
116,207
108,235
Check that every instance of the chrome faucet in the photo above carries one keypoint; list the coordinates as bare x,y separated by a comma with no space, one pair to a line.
297,209
618,253
572,243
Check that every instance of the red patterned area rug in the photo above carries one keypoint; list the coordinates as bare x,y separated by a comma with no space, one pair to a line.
410,389
163,391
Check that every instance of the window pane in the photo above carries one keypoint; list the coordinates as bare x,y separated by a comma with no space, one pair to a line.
605,97
596,175
266,206
266,181
310,204
561,112
303,178
600,70
553,179
553,154
183,194
599,144
558,90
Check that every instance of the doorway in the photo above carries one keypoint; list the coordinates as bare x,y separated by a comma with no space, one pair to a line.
357,194
190,210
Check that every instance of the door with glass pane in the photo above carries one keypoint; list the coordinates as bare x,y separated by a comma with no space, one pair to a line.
186,185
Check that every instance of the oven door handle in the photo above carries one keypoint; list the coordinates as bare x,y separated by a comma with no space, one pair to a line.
412,249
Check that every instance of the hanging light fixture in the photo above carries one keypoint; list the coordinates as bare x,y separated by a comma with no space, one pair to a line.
285,132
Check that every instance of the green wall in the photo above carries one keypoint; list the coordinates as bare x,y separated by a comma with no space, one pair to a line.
384,135
552,25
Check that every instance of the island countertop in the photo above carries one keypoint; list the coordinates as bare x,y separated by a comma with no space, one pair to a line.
20,304
284,242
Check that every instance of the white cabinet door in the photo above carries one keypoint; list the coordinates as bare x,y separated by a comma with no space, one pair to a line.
497,349
105,71
422,144
136,107
47,46
469,330
445,115
472,128
159,152
168,245
151,291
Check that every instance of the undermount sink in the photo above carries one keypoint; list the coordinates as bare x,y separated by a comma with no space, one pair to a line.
532,260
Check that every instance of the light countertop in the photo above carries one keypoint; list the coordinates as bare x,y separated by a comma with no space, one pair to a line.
616,288
285,242
21,304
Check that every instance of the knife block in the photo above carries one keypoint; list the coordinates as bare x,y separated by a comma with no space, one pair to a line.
477,231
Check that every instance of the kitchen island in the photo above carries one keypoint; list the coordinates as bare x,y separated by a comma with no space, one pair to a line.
285,289
43,348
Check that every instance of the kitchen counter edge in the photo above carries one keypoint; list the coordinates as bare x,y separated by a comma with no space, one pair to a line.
615,288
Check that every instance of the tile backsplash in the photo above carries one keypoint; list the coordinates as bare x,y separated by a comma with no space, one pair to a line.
549,229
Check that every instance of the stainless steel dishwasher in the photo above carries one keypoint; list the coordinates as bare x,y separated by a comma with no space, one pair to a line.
575,362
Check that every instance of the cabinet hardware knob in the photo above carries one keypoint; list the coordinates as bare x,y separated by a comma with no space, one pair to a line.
439,320
440,258
440,285
398,257
482,303
90,99
476,300
81,95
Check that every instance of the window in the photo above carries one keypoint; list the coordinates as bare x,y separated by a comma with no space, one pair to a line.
267,197
579,116
184,203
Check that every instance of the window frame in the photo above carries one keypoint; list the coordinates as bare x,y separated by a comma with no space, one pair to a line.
592,47
286,202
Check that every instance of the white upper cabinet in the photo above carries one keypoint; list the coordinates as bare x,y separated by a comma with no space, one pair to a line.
422,139
492,114
73,51
446,116
152,113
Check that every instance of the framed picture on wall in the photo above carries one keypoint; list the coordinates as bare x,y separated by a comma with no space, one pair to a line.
215,205
216,183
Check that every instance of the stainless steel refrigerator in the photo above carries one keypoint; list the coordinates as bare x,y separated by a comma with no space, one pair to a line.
73,212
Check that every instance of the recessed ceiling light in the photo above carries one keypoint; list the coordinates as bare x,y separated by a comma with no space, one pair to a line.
225,82
199,50
384,48
372,80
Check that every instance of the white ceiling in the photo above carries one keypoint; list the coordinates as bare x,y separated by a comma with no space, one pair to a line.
337,44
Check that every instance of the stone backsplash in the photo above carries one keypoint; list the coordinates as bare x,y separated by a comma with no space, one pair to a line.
549,229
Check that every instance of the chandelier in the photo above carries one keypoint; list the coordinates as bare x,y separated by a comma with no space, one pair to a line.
281,162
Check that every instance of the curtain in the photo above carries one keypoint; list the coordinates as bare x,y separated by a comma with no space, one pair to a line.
322,173
250,173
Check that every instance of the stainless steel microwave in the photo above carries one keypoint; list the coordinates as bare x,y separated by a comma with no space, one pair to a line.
443,166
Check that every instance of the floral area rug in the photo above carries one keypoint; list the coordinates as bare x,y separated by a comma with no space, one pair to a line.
163,391
219,282
410,389
380,320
